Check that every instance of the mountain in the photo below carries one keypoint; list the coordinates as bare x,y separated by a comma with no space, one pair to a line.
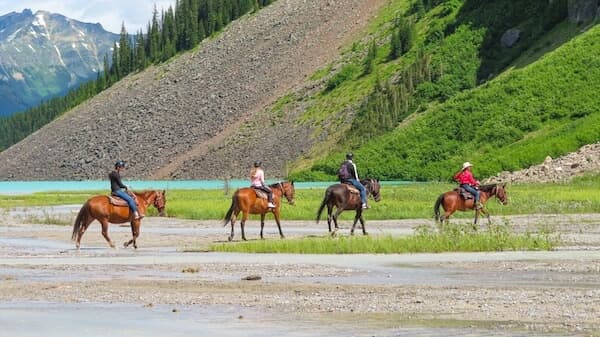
44,55
413,89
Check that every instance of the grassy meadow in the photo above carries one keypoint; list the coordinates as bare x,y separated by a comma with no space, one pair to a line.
452,238
407,201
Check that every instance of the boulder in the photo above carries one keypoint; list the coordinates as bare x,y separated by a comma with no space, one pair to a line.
510,37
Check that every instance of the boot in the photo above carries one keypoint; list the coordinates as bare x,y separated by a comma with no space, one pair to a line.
137,216
478,206
365,206
271,205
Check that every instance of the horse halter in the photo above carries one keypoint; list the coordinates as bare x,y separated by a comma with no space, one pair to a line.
500,194
284,192
159,202
376,193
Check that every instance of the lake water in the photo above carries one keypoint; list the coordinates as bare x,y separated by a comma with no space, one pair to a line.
25,187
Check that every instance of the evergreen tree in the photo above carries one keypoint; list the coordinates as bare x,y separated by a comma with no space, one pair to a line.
370,59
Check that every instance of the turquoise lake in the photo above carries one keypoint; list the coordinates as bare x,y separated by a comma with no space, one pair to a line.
24,187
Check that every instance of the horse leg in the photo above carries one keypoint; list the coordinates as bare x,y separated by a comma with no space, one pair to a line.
362,222
104,223
135,232
276,216
329,216
242,224
356,217
262,225
233,218
335,217
88,220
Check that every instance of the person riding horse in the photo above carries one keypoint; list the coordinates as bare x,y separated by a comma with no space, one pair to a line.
257,180
349,174
465,179
119,189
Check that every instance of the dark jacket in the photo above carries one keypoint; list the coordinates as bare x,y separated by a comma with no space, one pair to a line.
115,181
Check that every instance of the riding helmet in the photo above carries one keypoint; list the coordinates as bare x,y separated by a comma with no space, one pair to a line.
349,155
257,163
120,163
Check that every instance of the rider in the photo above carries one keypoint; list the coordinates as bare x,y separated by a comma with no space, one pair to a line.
349,174
257,180
466,180
119,189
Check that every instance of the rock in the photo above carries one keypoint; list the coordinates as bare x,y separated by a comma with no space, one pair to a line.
510,37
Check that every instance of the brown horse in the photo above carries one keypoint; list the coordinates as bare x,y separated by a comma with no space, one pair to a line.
99,208
451,201
245,200
339,196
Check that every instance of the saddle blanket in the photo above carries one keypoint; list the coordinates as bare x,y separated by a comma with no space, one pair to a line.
352,189
117,201
260,193
464,193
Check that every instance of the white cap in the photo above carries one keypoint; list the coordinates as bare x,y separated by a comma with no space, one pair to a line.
466,164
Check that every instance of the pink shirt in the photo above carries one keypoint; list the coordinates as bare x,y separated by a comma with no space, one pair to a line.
258,179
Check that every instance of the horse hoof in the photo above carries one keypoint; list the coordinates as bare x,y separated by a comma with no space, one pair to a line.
283,236
230,238
365,233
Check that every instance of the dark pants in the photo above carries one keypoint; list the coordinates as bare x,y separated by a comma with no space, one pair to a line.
267,190
361,188
125,196
471,190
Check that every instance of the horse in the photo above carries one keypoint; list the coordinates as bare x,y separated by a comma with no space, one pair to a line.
340,197
451,201
246,201
100,208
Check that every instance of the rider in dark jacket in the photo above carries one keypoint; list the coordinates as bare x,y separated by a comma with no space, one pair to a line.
352,178
119,189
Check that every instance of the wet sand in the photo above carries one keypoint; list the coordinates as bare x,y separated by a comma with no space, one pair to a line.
45,282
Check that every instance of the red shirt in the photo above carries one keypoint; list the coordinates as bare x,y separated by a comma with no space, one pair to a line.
466,177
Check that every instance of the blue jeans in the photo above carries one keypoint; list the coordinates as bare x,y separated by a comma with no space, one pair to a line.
123,195
471,190
361,188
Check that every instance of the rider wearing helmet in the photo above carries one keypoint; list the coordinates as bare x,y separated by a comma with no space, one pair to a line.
466,180
350,175
119,189
257,180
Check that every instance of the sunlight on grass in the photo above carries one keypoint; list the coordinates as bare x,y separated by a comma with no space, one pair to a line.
454,238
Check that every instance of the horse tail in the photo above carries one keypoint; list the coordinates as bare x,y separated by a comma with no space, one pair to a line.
230,211
327,195
81,219
436,207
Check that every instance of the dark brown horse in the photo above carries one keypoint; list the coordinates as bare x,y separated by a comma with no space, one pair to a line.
100,208
246,201
340,197
451,201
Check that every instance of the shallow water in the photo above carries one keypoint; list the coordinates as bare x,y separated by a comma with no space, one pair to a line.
34,319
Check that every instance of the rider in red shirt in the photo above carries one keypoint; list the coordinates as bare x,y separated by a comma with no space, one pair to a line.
466,180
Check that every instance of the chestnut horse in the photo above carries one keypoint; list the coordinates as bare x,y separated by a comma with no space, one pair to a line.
245,200
339,196
451,201
99,208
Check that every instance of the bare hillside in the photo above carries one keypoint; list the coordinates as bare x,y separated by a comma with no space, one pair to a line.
188,118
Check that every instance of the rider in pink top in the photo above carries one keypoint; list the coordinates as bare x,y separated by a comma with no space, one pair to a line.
257,180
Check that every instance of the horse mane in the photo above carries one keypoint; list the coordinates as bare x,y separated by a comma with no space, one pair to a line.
487,188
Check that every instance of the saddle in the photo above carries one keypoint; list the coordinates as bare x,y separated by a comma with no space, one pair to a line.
260,193
464,193
117,201
351,188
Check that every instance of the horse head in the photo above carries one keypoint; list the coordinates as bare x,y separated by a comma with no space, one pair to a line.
373,187
160,201
500,193
288,191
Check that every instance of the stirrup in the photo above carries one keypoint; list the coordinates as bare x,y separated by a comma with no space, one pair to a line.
271,205
365,206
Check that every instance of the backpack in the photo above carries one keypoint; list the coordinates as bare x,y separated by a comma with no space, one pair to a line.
343,172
